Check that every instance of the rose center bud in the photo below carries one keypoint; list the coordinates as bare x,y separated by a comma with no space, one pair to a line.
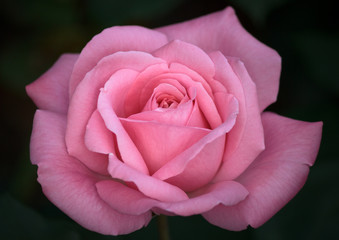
167,101
166,96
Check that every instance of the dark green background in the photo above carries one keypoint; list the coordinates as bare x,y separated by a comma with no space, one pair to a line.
35,32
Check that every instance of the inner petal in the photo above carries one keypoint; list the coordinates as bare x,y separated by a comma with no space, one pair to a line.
166,96
167,101
158,143
165,108
205,101
97,137
133,102
178,116
205,154
189,55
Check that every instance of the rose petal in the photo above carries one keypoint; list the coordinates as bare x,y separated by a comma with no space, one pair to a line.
201,167
97,137
117,87
50,91
144,85
117,195
165,92
158,142
176,67
150,186
172,116
188,55
187,113
128,151
197,118
222,31
70,185
201,161
221,99
84,102
113,40
203,99
246,140
275,176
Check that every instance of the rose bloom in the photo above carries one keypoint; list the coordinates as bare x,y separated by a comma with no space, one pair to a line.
168,121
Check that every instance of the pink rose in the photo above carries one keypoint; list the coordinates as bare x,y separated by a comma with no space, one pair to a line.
168,121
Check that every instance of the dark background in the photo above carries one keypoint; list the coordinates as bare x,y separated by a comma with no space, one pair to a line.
35,33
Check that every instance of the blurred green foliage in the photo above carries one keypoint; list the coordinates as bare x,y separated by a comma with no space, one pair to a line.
36,32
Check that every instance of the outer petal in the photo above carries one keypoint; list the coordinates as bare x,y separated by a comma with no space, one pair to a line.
276,175
227,193
222,31
50,91
246,140
113,40
70,185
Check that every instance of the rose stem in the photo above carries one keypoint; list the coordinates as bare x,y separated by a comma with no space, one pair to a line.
163,228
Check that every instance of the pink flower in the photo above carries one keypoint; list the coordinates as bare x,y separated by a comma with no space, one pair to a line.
168,121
